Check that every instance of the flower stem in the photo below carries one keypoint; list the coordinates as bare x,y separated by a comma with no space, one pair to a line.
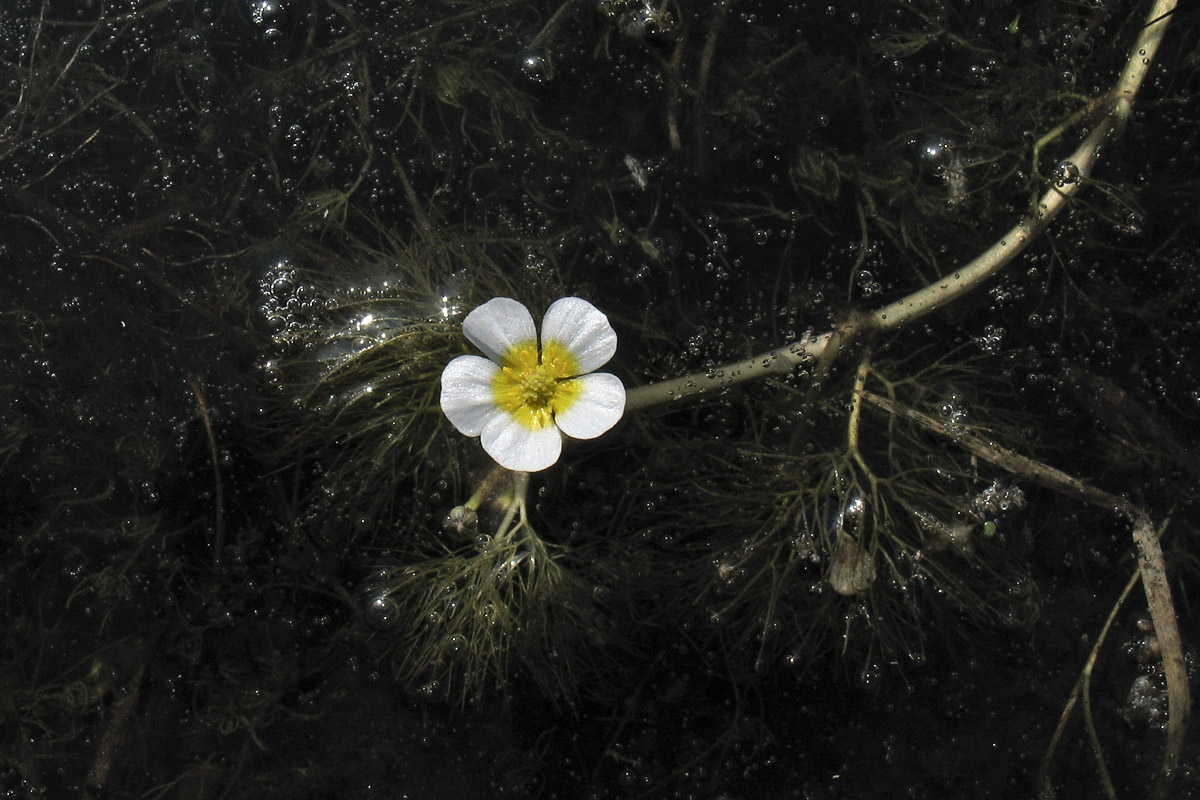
514,504
487,488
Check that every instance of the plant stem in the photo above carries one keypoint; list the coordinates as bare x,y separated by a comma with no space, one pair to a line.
780,361
948,288
860,382
487,488
1151,562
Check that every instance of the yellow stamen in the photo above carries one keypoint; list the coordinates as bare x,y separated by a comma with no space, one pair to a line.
533,390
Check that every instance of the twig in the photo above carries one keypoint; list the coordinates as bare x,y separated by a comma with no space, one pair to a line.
1166,627
219,494
114,732
1015,463
700,159
1083,689
1152,565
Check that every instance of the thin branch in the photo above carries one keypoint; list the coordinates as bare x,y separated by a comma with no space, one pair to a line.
1007,460
114,733
218,497
1083,688
1152,565
1166,627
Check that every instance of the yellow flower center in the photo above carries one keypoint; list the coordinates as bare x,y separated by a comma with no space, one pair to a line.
534,389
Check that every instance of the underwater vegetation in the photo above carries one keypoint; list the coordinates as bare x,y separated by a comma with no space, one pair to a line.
901,499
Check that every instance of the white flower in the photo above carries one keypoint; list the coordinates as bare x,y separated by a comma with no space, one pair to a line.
521,399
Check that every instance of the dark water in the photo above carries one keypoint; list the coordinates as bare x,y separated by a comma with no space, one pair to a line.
238,240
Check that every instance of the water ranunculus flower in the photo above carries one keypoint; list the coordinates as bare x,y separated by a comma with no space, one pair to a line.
523,397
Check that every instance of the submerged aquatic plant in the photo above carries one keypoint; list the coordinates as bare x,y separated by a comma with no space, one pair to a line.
859,544
765,198
824,525
360,347
494,603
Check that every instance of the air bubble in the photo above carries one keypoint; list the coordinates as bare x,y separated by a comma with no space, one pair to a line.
382,613
1066,174
868,676
535,67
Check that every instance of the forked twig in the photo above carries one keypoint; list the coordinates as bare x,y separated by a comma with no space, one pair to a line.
1151,564
1083,689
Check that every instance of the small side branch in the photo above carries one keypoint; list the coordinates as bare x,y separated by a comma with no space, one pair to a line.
1166,627
1007,460
218,491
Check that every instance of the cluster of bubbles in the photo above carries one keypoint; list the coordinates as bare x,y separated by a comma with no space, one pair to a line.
954,412
868,284
991,341
642,20
1000,497
649,23
289,305
331,326
269,20
1146,702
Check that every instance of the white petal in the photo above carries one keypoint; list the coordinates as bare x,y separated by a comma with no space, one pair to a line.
581,328
515,447
497,325
467,393
599,406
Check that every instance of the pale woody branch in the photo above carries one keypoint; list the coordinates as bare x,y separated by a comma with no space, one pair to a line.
1070,177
